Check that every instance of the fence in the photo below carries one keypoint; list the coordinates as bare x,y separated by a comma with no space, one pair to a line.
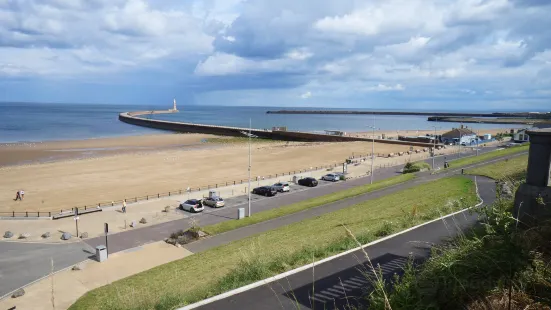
66,212
26,214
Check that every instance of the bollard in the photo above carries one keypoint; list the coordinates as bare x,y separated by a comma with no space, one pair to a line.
13,215
168,193
49,214
147,198
158,195
27,213
462,171
38,213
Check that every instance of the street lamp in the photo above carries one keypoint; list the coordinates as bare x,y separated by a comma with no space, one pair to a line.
372,149
434,145
250,129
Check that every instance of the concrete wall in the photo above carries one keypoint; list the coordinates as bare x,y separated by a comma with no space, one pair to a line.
132,118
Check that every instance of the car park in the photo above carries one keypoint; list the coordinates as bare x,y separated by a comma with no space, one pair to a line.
265,191
282,187
214,201
311,182
192,205
333,177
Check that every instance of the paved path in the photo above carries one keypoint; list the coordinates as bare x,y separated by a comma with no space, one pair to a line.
37,256
340,282
22,263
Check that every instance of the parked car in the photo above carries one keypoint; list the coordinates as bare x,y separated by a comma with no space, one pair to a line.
333,177
281,187
265,191
192,205
308,182
215,202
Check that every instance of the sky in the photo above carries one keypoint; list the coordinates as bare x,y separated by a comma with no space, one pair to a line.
410,54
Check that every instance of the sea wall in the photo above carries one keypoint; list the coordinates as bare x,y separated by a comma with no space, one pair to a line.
132,118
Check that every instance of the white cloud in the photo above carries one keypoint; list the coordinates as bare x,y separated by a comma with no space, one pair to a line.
383,87
306,95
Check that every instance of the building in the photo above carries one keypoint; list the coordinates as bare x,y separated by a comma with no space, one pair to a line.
521,136
335,132
462,135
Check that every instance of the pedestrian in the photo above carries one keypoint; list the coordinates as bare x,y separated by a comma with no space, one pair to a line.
22,193
124,206
18,196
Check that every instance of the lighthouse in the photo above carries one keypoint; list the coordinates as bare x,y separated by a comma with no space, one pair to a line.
174,109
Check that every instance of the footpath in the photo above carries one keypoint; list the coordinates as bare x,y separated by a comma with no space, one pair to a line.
345,280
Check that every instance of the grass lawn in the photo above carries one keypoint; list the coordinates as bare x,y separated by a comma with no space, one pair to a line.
486,156
241,262
305,204
503,169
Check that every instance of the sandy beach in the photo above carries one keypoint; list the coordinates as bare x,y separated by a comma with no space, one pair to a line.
65,174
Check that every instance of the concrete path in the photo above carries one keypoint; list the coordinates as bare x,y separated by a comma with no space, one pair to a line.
345,281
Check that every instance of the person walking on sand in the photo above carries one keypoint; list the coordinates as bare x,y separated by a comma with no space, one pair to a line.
124,206
22,195
18,196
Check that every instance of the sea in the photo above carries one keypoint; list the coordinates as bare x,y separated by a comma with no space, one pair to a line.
33,122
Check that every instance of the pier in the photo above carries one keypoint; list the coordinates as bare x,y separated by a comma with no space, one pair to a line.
135,119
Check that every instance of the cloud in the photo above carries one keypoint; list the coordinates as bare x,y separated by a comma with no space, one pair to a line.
383,87
306,95
346,51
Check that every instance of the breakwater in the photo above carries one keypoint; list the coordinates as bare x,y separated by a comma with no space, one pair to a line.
135,119
352,112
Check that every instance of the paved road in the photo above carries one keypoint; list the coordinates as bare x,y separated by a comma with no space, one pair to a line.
22,263
343,281
129,239
13,256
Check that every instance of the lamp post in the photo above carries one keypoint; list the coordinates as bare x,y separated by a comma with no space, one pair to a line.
372,149
434,145
250,129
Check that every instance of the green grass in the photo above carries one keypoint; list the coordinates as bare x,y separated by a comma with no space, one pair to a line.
305,204
479,270
486,156
244,261
504,169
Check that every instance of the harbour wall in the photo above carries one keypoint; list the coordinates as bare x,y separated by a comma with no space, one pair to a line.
134,119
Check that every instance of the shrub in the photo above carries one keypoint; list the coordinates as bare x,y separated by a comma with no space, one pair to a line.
415,167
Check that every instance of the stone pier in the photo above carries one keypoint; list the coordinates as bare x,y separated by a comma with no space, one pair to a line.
533,199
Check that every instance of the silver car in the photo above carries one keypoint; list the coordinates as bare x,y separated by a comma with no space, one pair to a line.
215,202
281,187
331,177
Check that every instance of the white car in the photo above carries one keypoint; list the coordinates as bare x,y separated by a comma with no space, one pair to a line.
192,205
331,177
281,187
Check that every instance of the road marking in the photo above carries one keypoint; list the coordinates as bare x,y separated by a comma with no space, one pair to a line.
306,267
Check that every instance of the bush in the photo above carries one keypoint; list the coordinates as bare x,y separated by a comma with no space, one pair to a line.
415,167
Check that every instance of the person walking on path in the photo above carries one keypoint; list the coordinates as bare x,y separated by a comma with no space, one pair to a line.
18,196
124,206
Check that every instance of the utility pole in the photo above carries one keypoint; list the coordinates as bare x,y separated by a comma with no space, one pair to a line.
250,130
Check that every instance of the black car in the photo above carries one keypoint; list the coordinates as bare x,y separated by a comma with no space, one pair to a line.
308,182
265,191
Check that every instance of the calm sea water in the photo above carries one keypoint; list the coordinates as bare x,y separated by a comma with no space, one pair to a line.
43,121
